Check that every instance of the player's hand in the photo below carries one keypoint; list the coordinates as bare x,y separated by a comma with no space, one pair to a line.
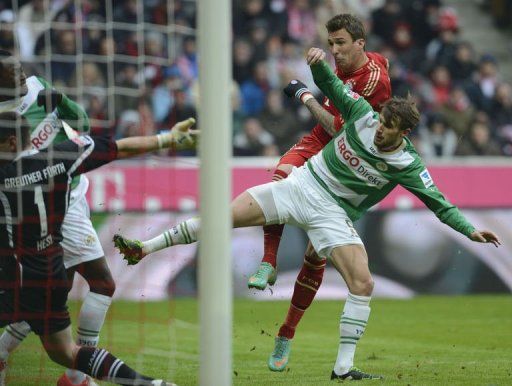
295,89
315,56
49,99
181,136
485,237
130,249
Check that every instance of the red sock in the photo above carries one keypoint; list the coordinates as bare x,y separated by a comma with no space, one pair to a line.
272,233
308,282
272,238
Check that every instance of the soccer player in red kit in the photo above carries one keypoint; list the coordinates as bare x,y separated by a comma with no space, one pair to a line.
367,74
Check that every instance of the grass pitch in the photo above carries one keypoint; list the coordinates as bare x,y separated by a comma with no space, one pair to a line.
425,341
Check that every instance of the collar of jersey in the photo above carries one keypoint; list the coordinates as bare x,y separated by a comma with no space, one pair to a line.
26,153
399,148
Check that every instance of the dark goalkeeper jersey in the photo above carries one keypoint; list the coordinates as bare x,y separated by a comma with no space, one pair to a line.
34,194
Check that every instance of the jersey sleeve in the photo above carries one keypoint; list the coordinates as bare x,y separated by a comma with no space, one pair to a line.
378,94
419,182
71,112
84,153
350,104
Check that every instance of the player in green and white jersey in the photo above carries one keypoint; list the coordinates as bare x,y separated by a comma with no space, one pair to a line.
53,118
369,157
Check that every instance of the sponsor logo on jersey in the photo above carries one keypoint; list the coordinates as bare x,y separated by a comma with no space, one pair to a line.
381,166
359,166
45,132
426,179
35,177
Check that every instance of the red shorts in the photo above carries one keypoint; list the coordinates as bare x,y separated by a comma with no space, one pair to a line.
306,148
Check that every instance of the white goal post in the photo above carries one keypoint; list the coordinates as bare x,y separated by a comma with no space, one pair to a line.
215,280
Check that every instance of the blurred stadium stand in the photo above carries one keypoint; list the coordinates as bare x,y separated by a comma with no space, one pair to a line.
133,64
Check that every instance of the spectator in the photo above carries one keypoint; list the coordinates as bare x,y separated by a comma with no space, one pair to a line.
182,108
63,69
253,140
33,20
242,60
437,140
301,22
501,110
478,142
481,90
441,50
458,112
279,121
187,61
462,66
255,90
7,30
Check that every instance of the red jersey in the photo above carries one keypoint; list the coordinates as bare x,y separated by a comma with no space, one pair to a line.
370,81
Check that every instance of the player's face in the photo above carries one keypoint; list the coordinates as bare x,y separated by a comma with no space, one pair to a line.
12,79
345,50
387,137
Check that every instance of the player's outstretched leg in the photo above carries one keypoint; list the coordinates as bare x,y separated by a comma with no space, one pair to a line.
134,251
266,274
267,271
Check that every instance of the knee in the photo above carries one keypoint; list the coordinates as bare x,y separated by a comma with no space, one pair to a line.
103,285
362,287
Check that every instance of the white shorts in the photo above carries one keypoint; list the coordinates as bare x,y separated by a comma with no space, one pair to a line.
80,240
299,200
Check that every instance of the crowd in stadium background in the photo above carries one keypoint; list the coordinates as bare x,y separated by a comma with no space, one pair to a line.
139,74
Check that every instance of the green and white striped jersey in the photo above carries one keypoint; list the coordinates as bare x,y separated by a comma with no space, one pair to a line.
357,175
46,128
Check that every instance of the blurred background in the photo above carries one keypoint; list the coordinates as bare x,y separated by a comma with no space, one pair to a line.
133,65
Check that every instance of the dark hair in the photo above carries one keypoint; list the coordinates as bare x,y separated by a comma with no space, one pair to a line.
13,124
350,23
401,113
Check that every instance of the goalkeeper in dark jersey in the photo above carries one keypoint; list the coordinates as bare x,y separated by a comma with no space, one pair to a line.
363,162
54,118
34,200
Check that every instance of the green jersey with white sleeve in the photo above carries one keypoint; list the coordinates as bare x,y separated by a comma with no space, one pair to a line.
357,175
47,128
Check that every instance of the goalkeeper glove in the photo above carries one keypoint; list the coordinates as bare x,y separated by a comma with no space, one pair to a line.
181,137
49,99
298,90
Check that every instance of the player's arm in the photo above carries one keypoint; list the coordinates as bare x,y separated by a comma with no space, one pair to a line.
297,89
68,110
419,182
84,153
349,104
181,137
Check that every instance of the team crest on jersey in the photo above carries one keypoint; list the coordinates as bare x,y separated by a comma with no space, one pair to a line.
355,96
382,166
90,240
426,179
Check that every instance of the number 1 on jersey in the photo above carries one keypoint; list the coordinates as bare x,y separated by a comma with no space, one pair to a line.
39,201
